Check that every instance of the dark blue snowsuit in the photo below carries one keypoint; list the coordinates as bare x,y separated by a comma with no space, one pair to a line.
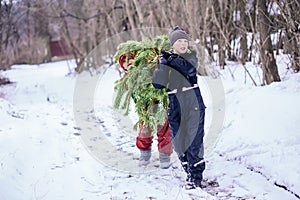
186,110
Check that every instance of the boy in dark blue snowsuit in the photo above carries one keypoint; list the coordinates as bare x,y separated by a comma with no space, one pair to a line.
186,110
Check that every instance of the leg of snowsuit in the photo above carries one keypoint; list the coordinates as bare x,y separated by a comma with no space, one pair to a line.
186,118
144,139
144,143
174,117
164,139
185,165
195,152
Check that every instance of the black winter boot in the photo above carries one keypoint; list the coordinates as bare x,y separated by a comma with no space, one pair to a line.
192,184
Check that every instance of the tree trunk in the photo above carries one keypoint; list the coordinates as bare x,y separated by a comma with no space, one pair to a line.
1,28
155,18
9,23
189,4
76,53
129,12
204,25
167,5
29,27
244,47
291,14
98,32
269,66
139,12
217,12
221,53
295,56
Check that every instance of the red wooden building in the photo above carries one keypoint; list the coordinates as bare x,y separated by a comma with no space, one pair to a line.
59,49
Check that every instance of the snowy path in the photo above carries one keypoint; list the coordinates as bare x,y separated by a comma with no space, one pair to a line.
236,181
46,154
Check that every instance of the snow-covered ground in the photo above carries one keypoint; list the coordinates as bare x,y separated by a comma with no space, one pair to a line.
61,139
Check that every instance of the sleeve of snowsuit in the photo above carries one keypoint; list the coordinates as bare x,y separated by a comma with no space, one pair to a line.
182,65
161,75
180,68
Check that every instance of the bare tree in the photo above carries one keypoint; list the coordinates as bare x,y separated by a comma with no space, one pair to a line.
268,61
9,19
84,24
243,31
190,10
290,20
26,27
219,21
130,14
6,33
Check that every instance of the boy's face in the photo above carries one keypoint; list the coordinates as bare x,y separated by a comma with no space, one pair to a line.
180,46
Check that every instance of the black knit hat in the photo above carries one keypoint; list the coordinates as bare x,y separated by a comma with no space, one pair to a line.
178,33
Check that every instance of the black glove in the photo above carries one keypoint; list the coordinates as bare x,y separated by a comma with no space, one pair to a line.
166,54
169,56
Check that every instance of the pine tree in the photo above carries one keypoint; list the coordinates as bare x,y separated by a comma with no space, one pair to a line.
136,85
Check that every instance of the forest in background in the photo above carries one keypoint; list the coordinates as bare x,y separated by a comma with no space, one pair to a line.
230,30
